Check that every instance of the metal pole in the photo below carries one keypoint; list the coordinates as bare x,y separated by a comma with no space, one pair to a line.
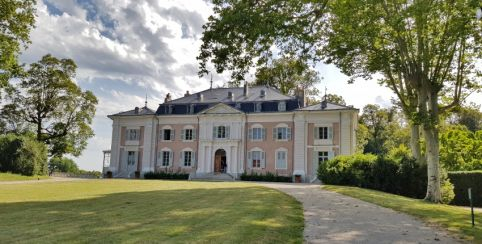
471,207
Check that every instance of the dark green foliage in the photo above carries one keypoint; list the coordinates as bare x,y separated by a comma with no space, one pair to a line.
63,164
462,180
401,176
22,155
166,175
265,177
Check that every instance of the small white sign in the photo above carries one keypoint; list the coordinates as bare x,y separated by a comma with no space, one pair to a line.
470,193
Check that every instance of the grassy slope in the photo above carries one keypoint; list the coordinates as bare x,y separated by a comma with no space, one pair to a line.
455,219
148,211
16,177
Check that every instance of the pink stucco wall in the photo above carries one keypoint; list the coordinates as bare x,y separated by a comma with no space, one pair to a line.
177,145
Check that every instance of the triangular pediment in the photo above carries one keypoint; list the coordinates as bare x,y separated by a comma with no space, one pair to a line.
221,109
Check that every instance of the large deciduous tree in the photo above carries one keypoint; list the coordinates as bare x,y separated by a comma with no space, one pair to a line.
16,20
422,49
49,103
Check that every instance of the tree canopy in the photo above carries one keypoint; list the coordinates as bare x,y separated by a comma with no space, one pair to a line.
49,103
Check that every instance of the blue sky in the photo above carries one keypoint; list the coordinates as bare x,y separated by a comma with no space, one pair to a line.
126,49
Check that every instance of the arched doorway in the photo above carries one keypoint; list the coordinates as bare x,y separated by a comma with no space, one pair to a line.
220,164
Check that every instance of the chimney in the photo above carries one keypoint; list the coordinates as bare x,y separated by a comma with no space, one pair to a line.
168,98
245,89
187,94
136,110
200,97
300,95
323,104
230,95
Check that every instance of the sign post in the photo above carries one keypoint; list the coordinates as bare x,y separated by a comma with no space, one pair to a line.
471,206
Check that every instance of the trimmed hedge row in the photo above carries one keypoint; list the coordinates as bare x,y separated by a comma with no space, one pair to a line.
463,180
166,175
265,177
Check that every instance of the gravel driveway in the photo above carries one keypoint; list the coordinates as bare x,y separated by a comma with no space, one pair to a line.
334,218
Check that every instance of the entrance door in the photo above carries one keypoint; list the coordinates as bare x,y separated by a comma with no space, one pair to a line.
220,164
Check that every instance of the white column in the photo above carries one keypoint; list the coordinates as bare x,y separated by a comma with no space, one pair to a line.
114,147
147,148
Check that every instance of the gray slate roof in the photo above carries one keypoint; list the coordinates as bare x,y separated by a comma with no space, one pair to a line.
220,95
142,111
329,106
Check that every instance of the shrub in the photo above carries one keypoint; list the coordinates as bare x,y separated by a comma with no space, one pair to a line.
67,165
22,155
462,180
265,177
166,175
347,170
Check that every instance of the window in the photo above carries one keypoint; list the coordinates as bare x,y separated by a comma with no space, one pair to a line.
131,157
323,133
257,133
169,109
257,107
166,158
167,135
190,109
187,158
282,106
322,157
188,134
237,105
282,133
221,132
256,159
133,134
281,159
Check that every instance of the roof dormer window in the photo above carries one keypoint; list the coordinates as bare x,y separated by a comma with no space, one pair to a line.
257,107
282,106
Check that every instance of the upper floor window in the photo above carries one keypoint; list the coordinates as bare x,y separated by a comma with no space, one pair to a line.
257,133
221,132
167,135
257,107
323,133
256,158
133,134
188,134
282,106
282,133
281,159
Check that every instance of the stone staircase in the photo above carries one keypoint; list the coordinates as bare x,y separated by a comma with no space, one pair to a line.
211,177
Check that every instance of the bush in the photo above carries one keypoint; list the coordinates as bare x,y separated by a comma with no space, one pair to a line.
462,180
399,174
265,177
22,155
166,175
67,165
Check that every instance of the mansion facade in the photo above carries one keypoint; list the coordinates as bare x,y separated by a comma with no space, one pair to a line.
231,131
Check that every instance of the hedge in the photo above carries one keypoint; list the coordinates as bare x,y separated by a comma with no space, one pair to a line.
166,175
22,155
462,180
265,177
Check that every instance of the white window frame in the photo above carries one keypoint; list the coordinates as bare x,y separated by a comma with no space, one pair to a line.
163,131
258,107
283,127
131,158
277,158
257,133
133,134
261,164
323,134
281,106
218,133
183,158
161,157
184,133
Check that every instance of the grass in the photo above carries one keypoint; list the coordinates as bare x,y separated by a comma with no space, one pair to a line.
456,219
17,177
112,211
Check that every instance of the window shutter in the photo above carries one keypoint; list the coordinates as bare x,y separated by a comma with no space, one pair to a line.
173,135
171,158
215,130
274,133
250,134
193,158
330,132
183,134
289,133
161,134
194,134
248,163
316,132
263,160
264,133
227,132
136,157
181,158
331,154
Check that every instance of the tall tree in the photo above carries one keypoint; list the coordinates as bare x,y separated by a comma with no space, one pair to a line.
16,20
422,49
288,75
49,103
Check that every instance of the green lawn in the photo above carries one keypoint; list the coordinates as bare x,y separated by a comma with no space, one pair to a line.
112,211
16,177
456,219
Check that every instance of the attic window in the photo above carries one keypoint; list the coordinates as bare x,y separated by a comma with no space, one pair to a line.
257,107
190,109
282,106
237,105
169,109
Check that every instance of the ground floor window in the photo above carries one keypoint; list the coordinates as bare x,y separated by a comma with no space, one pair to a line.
322,157
187,155
281,162
166,158
131,157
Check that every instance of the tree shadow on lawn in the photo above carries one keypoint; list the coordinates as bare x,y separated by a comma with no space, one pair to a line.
239,215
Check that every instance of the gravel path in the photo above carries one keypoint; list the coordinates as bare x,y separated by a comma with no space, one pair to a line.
334,218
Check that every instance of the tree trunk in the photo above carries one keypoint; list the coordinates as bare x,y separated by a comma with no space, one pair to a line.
415,143
432,149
